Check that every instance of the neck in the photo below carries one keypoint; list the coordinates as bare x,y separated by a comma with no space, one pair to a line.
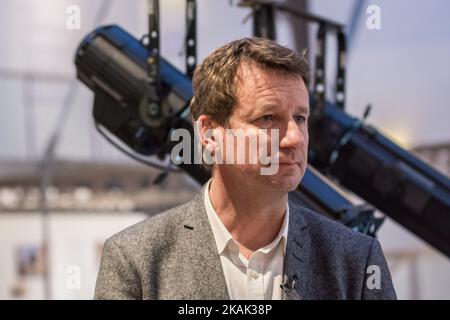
253,217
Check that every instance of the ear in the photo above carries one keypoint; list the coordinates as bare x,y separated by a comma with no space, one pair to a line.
205,128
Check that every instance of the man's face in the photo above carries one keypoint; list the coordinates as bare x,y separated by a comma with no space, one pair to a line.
271,101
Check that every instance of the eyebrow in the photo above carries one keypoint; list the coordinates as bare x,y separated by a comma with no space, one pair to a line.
301,108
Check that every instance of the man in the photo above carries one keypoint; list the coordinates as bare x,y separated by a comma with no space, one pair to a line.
240,238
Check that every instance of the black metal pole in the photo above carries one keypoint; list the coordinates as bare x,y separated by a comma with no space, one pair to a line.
264,21
191,36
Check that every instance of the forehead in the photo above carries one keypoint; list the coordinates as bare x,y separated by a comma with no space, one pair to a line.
257,85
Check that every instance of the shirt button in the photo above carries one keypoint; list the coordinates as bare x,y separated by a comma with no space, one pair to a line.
254,274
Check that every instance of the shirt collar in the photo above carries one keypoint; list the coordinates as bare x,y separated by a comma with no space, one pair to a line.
222,236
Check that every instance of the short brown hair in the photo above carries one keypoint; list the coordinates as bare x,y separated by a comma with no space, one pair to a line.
214,80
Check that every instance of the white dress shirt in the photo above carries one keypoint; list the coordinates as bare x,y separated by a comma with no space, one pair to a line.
259,277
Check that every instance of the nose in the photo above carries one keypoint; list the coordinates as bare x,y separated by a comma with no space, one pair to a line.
293,136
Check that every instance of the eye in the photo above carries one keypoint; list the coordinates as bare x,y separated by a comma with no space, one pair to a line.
300,119
267,117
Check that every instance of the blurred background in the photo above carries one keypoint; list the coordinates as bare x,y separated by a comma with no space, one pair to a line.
93,190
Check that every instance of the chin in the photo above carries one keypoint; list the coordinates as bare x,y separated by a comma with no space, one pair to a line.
285,180
284,183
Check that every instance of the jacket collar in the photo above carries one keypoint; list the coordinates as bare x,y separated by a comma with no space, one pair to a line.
297,253
205,262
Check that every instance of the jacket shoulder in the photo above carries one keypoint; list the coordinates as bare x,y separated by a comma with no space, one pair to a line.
336,236
153,230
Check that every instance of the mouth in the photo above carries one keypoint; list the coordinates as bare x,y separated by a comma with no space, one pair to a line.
286,163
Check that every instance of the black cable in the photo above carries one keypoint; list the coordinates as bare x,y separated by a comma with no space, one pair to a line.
169,168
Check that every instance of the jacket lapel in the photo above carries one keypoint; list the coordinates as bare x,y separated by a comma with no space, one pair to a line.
297,251
205,263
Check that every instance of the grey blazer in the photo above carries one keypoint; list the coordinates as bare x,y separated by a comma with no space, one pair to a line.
173,255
